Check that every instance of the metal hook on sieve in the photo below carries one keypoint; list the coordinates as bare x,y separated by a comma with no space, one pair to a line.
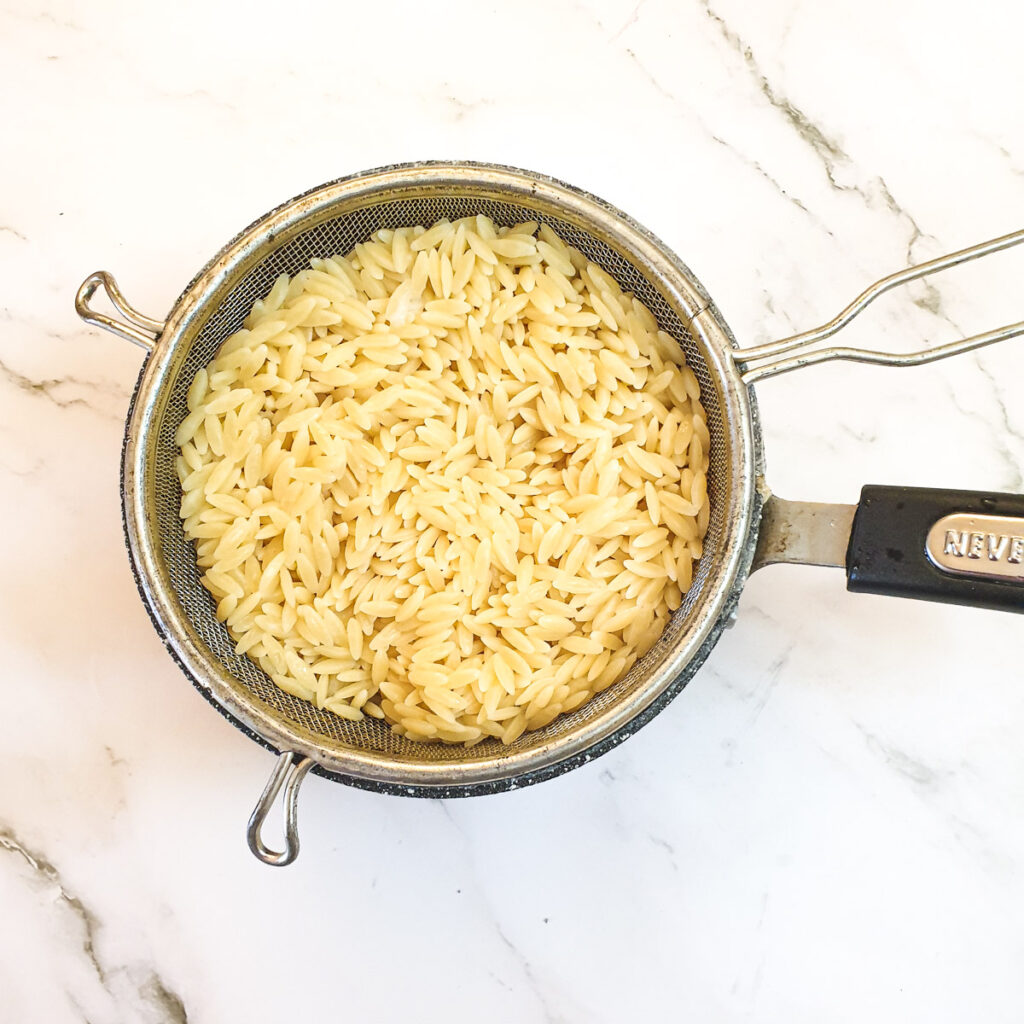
285,765
769,365
143,330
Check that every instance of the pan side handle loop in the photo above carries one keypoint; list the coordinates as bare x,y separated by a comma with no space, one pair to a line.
773,359
286,768
136,327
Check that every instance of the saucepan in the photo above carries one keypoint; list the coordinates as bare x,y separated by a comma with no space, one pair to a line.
953,546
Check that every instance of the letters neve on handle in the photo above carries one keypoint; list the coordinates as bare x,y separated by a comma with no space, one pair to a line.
976,545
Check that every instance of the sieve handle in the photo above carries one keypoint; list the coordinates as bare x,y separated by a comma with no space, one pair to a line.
957,547
767,357
286,768
136,327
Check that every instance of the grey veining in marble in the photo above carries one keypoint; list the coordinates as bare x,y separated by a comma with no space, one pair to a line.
827,825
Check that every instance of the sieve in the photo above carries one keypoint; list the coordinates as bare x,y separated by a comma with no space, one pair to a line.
953,546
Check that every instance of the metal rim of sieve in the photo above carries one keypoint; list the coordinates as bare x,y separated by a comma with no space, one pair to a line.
353,207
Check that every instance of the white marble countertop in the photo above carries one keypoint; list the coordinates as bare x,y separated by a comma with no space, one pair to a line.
828,823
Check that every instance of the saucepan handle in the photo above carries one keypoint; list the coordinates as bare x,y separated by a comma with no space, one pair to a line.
136,327
957,547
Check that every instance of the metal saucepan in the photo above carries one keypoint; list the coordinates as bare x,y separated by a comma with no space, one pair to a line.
940,545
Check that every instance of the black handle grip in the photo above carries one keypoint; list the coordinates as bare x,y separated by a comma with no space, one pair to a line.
958,547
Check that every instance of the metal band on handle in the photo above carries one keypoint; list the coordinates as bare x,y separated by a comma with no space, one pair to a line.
143,330
285,765
772,366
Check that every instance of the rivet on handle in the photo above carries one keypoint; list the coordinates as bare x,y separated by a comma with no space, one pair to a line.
143,330
286,767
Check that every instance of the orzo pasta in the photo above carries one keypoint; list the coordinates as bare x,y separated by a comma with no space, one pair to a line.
455,480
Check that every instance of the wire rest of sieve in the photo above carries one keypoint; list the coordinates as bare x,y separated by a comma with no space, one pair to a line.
136,327
294,771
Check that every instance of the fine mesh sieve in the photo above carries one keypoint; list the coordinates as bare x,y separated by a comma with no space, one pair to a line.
338,234
332,219
335,227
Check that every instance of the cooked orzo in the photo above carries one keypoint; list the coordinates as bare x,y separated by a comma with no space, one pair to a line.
455,480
